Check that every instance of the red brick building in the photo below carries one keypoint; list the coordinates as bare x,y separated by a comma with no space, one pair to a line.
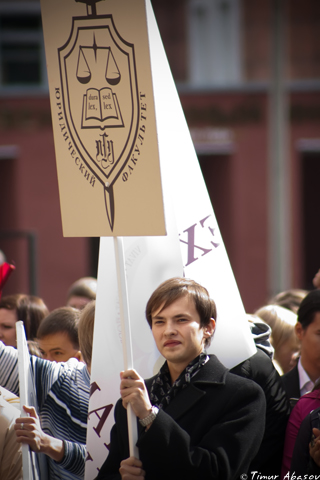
225,67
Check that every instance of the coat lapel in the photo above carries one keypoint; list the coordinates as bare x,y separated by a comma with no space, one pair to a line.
183,401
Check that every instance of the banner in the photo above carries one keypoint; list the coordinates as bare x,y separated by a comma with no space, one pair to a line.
103,117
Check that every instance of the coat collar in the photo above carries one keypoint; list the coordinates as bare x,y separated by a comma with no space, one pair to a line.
212,373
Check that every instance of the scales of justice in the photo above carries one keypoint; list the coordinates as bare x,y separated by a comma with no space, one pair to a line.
101,104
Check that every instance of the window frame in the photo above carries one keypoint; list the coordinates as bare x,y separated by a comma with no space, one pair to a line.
24,37
208,64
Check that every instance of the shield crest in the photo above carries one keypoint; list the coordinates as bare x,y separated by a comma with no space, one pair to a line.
102,111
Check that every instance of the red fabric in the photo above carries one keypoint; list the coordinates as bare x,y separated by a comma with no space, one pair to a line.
5,271
305,405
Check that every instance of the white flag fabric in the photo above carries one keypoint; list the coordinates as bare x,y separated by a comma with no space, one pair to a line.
193,248
204,256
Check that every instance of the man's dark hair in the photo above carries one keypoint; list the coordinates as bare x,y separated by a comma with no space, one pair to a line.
62,320
175,288
309,306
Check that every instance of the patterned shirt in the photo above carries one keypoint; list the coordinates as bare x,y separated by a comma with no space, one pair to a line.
63,397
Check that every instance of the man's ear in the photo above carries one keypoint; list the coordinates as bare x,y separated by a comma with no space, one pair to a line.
209,329
299,330
78,356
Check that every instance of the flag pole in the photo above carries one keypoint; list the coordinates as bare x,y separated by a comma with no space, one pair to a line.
126,337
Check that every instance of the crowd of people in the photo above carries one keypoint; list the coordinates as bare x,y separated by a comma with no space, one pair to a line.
60,346
196,419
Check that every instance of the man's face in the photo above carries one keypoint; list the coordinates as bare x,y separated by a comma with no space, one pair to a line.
310,343
57,347
8,319
177,332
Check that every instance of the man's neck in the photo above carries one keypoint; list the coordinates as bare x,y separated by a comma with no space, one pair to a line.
310,369
175,370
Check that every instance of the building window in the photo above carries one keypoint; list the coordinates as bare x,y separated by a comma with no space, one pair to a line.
214,42
22,58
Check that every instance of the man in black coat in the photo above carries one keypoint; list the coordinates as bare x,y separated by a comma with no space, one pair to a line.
196,420
302,378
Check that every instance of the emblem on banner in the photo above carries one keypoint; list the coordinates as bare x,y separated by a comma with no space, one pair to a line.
100,97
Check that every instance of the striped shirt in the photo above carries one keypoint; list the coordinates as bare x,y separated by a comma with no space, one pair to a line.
63,397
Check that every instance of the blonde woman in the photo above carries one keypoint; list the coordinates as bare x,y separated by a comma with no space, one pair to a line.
283,337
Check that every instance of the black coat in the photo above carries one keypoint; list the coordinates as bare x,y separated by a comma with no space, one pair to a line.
210,430
291,384
260,369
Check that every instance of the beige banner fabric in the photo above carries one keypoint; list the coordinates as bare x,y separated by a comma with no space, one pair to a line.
103,117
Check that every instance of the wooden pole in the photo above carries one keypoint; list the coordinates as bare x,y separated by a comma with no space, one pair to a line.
126,337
